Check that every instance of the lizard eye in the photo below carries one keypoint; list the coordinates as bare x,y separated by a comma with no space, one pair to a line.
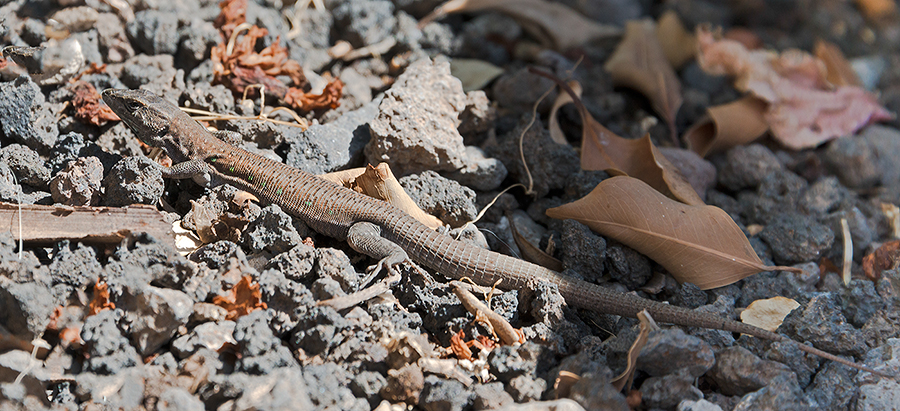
133,105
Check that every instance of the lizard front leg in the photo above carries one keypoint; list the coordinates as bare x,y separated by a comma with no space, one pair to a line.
197,170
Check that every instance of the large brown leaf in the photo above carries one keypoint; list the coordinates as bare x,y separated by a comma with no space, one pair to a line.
601,149
640,63
697,244
553,24
728,125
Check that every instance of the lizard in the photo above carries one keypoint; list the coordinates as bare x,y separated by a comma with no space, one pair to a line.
377,228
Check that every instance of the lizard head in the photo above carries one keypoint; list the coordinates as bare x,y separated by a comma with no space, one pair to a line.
147,114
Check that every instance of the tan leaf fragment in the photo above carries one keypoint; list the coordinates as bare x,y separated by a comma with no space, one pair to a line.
553,24
623,380
678,44
877,9
474,74
838,69
601,149
804,110
243,299
728,125
768,314
696,244
379,182
886,257
640,63
562,99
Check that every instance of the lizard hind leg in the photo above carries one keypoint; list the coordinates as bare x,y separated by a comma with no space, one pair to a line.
366,238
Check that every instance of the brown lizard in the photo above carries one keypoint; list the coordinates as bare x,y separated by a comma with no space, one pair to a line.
377,228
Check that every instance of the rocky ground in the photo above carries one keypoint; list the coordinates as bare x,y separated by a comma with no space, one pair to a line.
235,325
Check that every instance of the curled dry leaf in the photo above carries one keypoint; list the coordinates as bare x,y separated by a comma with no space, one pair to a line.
640,63
88,106
804,111
678,44
838,69
601,149
531,252
768,314
886,257
100,301
877,9
562,99
696,244
623,381
551,23
379,182
728,125
243,299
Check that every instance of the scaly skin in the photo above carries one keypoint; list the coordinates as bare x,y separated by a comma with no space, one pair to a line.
332,210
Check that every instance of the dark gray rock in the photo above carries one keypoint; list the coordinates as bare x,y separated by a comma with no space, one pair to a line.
594,392
507,362
27,165
441,394
824,196
27,118
778,191
324,148
415,129
585,252
365,22
781,393
145,70
154,316
862,231
368,384
833,388
404,384
109,351
453,203
261,352
273,231
549,163
668,391
737,371
211,335
26,307
79,184
74,265
821,323
796,238
195,41
627,266
154,32
282,389
519,90
133,180
480,172
745,166
866,160
688,295
72,146
331,388
671,351
113,41
490,396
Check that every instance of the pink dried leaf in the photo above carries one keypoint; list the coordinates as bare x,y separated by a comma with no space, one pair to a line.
804,109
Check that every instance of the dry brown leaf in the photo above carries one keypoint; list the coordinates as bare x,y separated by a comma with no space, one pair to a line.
379,182
100,301
243,299
804,111
88,106
458,346
233,14
553,24
532,253
623,380
768,314
329,98
839,71
678,44
886,257
696,244
562,99
601,149
728,125
640,63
